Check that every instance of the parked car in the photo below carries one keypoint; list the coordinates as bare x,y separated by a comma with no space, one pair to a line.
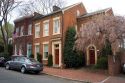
123,68
24,64
2,61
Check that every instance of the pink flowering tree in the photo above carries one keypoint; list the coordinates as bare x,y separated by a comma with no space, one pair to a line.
101,29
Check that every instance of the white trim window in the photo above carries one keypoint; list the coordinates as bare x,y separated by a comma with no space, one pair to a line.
37,30
22,31
45,51
15,51
46,28
78,13
124,43
37,49
56,25
29,49
30,29
17,31
20,50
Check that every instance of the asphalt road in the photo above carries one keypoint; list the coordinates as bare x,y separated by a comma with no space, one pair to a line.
10,76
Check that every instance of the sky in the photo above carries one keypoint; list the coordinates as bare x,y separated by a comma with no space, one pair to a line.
118,6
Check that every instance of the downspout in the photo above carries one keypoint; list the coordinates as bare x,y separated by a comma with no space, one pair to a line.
62,65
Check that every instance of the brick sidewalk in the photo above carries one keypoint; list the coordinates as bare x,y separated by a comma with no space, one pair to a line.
76,74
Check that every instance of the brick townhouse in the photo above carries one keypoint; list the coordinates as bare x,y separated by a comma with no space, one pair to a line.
92,51
22,36
49,31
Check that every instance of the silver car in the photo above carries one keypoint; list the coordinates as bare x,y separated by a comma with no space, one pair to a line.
24,64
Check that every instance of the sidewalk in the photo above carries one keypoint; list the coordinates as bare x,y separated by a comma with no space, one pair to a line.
73,74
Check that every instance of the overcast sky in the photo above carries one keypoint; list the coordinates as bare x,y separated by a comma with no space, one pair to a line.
118,6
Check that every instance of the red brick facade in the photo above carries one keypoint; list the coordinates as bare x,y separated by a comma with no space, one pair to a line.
21,41
67,17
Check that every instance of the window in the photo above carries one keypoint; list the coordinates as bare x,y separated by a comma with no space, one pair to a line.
78,13
123,43
17,31
45,51
20,50
37,30
37,49
21,31
29,50
30,29
56,26
15,50
46,28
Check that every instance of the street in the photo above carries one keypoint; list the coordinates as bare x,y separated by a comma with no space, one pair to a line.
10,76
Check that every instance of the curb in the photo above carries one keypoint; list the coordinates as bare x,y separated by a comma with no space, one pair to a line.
70,78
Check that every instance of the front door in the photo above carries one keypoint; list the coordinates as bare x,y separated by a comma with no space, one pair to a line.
92,56
57,56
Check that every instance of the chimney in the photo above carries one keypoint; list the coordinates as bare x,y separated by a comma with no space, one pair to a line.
35,13
55,8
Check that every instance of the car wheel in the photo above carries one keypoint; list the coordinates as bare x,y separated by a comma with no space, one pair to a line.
23,69
7,66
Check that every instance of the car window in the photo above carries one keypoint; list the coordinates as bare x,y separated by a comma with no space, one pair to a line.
22,59
16,59
29,60
32,60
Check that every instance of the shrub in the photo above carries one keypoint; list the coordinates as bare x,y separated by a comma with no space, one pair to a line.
102,63
10,49
39,57
50,60
72,59
31,56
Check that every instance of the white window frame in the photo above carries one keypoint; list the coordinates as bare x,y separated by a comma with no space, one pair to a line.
15,50
46,22
36,44
37,30
17,31
28,45
45,43
54,19
30,29
22,31
123,42
78,13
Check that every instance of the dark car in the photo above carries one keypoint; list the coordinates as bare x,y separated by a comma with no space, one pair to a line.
24,64
2,61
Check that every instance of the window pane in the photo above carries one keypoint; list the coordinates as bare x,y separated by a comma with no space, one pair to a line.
30,29
56,26
46,29
37,30
45,51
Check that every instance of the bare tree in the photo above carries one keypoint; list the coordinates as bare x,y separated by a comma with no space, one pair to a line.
101,29
6,6
40,6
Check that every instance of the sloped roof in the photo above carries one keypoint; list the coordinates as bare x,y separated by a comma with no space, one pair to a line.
95,12
24,17
60,10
